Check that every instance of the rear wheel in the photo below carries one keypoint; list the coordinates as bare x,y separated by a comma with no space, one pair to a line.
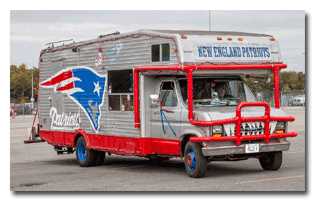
195,162
86,157
271,160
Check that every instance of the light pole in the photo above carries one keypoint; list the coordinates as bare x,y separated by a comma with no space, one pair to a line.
32,91
256,82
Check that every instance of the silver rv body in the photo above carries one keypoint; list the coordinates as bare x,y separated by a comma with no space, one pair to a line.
108,108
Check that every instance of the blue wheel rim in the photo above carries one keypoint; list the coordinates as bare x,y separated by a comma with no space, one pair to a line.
81,151
191,160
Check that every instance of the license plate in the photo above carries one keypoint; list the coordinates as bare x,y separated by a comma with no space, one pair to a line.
251,148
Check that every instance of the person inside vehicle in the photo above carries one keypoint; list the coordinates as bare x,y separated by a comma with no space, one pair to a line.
221,89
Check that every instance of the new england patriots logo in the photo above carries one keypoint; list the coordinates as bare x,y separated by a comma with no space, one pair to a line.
84,86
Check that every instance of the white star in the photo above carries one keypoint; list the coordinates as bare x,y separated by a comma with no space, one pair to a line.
97,88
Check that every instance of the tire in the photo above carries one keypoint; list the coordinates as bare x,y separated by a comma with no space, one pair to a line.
86,157
195,162
271,160
100,157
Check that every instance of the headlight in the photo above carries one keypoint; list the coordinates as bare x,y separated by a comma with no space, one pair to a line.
280,125
217,129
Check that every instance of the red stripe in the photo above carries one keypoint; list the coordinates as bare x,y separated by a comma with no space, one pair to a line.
121,145
63,76
66,87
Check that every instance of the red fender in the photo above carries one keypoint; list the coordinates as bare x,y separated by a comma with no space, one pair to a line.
85,136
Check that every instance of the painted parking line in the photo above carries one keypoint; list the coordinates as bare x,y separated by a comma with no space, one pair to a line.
246,182
291,152
131,167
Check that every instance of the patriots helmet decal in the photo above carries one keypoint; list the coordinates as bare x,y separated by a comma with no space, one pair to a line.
84,86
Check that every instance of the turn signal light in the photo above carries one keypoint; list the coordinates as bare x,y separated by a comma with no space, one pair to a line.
219,38
184,37
279,131
240,39
175,50
216,135
272,39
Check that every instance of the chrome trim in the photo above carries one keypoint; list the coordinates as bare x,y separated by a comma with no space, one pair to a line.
230,150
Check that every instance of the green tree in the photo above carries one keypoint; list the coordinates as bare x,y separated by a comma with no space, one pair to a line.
21,83
288,81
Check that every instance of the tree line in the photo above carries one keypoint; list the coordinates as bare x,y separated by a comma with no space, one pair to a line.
289,82
21,83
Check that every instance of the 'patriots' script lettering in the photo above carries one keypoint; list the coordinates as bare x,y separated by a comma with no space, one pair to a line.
64,119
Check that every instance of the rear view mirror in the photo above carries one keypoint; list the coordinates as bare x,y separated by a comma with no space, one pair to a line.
267,79
258,96
153,102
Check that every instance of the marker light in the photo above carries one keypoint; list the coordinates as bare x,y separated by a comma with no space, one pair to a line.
175,50
229,38
272,39
184,37
219,38
240,39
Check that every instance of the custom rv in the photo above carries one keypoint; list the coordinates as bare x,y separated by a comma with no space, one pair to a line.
161,94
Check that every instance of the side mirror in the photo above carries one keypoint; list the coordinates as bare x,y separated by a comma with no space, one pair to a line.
153,102
267,79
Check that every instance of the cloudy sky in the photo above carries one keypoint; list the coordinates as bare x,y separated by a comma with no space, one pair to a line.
31,30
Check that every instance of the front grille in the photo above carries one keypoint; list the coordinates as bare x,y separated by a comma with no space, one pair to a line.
249,128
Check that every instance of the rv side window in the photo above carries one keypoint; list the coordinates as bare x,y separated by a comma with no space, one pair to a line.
155,53
120,90
160,52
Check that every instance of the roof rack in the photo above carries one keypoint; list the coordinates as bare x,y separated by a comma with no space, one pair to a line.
52,43
115,33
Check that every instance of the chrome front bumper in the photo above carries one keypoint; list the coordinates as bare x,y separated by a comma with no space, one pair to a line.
230,150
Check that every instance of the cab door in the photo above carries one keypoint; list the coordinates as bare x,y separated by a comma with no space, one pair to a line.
171,120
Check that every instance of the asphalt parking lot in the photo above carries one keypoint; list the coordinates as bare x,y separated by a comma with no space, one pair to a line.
37,167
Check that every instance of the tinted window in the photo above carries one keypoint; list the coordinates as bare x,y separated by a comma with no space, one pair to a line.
120,81
155,53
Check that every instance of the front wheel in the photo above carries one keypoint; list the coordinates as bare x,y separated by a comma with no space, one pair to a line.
86,157
271,160
195,162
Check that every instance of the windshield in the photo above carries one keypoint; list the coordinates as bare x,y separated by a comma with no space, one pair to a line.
217,91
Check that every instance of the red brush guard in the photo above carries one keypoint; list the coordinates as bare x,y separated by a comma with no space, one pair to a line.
238,119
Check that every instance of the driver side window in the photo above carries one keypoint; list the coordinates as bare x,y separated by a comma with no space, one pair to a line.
167,94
